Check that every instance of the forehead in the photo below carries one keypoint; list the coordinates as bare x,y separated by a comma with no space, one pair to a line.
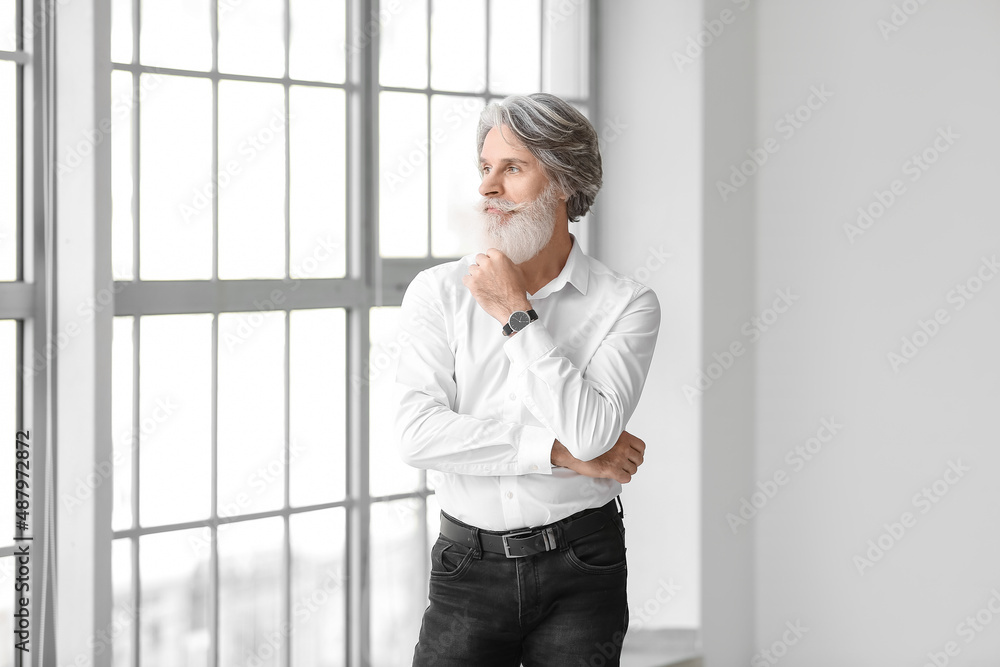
501,144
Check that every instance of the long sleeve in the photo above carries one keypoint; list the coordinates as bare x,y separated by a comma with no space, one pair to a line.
429,432
587,410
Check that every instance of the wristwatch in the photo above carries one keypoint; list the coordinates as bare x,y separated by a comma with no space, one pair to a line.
518,320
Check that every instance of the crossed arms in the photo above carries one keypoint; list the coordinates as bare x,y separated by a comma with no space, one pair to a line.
583,413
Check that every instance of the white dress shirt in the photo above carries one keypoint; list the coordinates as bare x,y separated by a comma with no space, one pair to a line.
484,409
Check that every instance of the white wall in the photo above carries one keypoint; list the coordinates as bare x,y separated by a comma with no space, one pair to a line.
827,356
651,204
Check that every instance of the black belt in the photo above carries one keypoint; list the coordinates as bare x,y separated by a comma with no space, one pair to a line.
529,541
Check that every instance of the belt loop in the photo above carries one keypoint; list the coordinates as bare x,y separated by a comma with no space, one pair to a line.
621,508
477,548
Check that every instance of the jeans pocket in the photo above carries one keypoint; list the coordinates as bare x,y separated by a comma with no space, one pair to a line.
449,560
601,552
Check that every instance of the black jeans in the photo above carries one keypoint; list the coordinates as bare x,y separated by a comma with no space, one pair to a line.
562,608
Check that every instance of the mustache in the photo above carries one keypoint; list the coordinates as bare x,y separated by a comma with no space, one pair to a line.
501,204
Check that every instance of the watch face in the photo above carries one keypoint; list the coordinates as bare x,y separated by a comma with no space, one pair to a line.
519,319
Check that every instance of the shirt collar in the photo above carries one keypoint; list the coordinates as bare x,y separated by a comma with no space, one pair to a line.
575,271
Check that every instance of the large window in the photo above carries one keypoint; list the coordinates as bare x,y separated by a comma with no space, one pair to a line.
280,170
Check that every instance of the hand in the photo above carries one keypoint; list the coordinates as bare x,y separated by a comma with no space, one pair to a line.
618,463
497,285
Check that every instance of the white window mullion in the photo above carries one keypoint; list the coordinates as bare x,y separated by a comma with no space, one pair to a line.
82,368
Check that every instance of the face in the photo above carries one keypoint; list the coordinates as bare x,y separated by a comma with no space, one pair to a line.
519,202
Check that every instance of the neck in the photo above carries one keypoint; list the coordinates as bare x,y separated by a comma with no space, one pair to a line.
550,260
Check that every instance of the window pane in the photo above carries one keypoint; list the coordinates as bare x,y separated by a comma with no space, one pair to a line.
458,45
318,402
8,25
455,224
124,438
121,31
403,44
176,185
515,42
251,37
251,412
399,574
567,41
174,624
124,612
250,599
251,180
318,182
9,177
121,173
176,33
318,40
175,406
402,175
319,580
8,424
387,472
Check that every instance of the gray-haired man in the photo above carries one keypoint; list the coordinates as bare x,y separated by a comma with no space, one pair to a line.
527,362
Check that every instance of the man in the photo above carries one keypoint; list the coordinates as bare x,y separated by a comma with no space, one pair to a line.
527,361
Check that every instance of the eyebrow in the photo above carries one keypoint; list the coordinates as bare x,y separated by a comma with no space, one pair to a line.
506,160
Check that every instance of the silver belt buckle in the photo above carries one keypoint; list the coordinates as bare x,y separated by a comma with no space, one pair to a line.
506,547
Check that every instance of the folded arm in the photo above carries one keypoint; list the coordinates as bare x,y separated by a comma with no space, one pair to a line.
432,435
588,409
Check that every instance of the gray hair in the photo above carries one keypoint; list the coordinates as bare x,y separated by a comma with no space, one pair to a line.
561,139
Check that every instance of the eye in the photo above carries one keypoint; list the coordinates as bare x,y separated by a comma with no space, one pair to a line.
513,169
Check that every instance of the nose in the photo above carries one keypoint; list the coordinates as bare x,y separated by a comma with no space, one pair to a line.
490,186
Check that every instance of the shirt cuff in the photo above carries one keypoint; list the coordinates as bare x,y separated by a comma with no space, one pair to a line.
527,345
534,450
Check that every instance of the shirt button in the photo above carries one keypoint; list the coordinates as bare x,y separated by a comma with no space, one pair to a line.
534,467
509,495
513,396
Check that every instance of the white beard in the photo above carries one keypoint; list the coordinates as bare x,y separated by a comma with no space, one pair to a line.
522,234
